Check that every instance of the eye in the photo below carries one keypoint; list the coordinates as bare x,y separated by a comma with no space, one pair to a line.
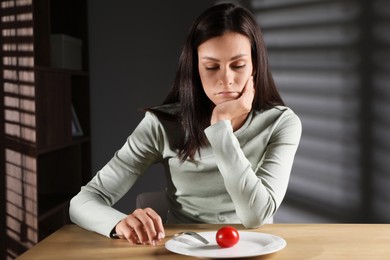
238,66
212,68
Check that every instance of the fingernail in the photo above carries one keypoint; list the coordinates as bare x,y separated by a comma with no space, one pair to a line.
160,235
153,242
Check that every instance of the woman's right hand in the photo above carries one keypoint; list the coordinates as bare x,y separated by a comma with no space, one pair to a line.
235,109
143,226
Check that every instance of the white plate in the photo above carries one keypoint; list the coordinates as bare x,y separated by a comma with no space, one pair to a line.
250,244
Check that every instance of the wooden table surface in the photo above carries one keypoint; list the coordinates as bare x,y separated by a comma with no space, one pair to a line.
304,241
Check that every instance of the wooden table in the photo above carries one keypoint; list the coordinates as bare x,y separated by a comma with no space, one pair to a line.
304,241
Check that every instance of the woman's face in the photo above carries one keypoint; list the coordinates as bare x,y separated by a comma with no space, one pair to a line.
225,65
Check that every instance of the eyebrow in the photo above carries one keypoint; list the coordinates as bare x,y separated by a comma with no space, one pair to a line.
232,58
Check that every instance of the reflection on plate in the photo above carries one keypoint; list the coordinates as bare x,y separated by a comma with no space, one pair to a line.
250,244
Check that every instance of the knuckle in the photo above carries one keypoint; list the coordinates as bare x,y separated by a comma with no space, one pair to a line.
149,210
138,211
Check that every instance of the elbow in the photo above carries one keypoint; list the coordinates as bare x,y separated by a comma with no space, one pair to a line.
72,209
76,208
251,225
257,222
263,216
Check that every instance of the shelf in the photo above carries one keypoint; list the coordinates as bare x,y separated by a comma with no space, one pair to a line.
60,70
30,148
43,101
75,141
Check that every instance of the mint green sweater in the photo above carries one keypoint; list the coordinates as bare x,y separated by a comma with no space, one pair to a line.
241,177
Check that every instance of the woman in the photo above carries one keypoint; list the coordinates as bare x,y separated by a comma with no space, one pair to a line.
223,134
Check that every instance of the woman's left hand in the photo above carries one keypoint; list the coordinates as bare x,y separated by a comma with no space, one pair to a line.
234,110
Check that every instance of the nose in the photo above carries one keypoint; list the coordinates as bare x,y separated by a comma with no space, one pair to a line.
226,77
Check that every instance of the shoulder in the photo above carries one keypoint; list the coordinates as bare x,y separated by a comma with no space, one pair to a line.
288,123
166,111
279,117
164,117
277,113
162,114
276,110
288,115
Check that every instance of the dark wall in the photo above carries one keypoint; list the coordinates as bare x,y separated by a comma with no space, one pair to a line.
330,60
134,48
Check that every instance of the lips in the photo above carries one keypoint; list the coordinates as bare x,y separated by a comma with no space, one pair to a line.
228,93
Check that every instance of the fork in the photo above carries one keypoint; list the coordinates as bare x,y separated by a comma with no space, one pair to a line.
193,234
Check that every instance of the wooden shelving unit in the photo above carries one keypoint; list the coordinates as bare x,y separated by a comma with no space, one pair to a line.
45,164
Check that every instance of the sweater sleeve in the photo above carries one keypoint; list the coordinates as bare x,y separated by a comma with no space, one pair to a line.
92,208
256,190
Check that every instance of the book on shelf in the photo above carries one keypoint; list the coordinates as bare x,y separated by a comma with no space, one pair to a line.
76,127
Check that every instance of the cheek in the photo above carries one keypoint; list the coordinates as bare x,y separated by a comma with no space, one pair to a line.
207,81
205,77
243,78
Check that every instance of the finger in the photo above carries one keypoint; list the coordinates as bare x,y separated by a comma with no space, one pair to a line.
124,231
134,238
131,237
249,86
147,219
248,91
136,221
158,224
132,229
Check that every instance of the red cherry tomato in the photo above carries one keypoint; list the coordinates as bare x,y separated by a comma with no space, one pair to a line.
227,236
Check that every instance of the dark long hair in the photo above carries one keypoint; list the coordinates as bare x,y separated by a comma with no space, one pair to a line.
187,90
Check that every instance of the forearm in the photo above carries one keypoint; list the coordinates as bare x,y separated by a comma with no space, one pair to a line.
92,208
253,202
91,212
256,185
